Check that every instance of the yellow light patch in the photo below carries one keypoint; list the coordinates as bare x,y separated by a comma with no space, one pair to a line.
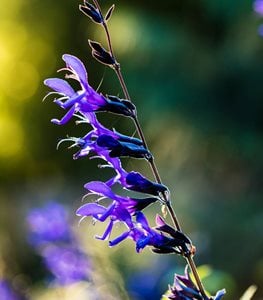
11,137
13,41
20,81
10,8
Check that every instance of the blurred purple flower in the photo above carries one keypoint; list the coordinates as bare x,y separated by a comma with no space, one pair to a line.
6,291
66,263
48,224
53,239
258,7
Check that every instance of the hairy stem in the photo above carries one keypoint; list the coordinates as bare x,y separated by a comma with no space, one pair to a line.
117,69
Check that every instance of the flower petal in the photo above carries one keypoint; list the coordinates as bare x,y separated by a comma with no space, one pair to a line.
99,188
60,86
77,67
91,209
136,182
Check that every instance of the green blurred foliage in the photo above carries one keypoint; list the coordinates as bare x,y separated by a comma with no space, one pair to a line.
194,69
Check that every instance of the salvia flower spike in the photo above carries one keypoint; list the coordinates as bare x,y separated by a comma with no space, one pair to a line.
112,147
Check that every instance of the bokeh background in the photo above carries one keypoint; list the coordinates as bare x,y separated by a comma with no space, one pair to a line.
195,71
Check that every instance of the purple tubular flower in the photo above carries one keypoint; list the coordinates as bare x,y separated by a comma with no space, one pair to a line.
109,145
185,289
119,149
100,139
132,205
136,182
120,210
179,239
119,106
149,236
115,212
85,100
161,243
88,145
128,139
48,224
143,235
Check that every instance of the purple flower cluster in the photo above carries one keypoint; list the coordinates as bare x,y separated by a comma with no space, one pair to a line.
185,289
53,239
110,146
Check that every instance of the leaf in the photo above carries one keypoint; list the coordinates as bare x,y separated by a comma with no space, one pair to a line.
109,12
